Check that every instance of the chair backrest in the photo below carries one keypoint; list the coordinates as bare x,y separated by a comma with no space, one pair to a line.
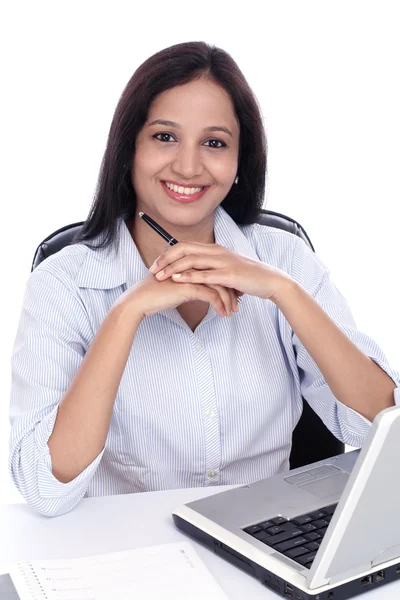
312,440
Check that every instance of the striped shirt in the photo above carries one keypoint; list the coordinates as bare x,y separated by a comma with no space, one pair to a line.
216,406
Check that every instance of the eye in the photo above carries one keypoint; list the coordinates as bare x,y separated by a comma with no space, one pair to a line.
218,142
223,145
157,134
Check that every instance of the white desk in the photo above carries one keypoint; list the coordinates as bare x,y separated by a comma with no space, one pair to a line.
113,523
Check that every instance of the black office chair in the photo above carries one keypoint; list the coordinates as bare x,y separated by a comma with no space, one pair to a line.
311,439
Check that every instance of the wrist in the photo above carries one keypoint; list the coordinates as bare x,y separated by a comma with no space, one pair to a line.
284,289
128,308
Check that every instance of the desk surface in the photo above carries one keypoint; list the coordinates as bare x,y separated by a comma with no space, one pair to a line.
114,523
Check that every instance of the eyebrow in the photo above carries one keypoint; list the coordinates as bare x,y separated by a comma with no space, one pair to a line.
174,124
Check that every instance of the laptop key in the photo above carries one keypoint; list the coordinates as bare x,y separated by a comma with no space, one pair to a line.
318,514
306,558
320,523
295,552
262,535
298,541
288,526
313,535
321,531
282,537
275,529
330,509
278,520
302,519
265,524
308,527
311,546
252,529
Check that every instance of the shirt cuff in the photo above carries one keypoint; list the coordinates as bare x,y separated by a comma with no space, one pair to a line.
357,425
48,485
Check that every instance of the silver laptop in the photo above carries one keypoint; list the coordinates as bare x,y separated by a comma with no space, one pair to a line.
330,530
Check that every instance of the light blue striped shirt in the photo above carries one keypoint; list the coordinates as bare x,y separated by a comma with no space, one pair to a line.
211,407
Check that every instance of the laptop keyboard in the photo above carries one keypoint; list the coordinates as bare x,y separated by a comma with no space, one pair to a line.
298,538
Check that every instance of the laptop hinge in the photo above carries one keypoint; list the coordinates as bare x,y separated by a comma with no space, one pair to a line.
350,573
385,555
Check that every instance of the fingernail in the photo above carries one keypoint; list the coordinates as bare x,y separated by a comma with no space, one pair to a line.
153,267
177,275
160,274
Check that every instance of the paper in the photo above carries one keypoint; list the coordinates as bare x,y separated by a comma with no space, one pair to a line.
165,572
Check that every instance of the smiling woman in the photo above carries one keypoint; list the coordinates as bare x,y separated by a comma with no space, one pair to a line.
188,159
129,380
187,116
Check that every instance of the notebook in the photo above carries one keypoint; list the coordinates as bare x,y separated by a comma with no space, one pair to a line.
168,571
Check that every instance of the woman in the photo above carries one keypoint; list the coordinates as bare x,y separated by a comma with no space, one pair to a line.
127,378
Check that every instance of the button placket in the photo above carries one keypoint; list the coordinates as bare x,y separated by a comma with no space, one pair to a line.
211,412
212,438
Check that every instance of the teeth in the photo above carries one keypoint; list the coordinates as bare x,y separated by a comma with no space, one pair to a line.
182,190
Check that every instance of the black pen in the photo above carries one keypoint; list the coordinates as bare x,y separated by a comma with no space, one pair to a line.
164,234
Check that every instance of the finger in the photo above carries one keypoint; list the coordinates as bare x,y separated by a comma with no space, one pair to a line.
235,300
226,296
221,276
177,251
229,295
208,294
238,296
232,299
163,270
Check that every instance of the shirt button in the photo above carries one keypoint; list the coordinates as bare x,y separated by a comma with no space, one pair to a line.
199,346
212,412
211,474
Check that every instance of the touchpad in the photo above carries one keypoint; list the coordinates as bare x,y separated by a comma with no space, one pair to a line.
329,486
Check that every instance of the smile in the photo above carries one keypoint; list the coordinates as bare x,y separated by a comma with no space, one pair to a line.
182,194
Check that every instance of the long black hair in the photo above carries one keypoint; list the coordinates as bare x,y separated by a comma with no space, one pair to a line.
179,64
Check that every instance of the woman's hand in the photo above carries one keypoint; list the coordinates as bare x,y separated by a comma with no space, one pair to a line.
149,296
210,264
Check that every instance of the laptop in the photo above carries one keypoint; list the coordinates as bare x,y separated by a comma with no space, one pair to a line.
328,530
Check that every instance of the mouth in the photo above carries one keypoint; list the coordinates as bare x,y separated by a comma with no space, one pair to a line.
184,198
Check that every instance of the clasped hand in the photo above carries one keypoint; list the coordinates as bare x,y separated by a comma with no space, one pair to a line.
195,262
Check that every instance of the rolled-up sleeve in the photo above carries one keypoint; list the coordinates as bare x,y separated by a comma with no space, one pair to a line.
51,341
345,423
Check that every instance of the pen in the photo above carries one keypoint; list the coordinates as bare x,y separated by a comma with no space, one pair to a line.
164,234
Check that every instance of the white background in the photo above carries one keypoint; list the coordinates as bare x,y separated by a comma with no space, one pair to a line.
325,75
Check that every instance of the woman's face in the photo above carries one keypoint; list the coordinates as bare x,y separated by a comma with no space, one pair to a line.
186,152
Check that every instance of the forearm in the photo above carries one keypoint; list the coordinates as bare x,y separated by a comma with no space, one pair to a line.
354,378
85,411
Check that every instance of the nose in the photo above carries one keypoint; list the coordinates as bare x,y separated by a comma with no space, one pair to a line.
187,162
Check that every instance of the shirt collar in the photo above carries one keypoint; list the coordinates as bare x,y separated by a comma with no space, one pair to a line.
121,263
